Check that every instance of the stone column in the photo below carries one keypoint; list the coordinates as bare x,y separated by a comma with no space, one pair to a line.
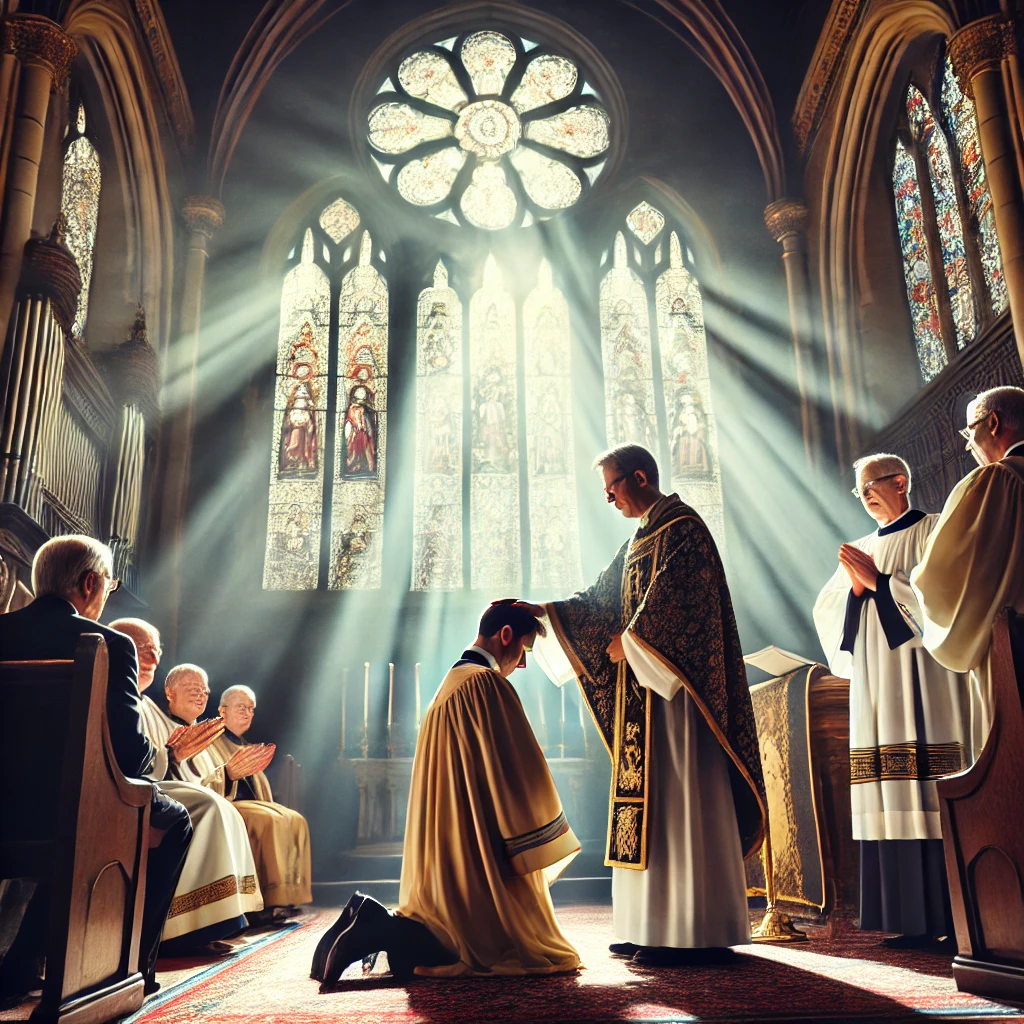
983,55
203,216
786,219
44,55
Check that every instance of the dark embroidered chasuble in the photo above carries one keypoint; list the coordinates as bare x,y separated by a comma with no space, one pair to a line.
667,586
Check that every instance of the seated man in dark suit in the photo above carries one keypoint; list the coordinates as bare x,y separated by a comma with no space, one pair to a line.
72,578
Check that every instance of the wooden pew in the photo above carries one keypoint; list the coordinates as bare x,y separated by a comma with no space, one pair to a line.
288,789
983,836
76,824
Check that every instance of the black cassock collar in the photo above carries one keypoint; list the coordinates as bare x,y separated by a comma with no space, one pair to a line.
472,658
909,518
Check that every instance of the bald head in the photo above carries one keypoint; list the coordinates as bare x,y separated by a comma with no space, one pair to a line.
146,638
188,689
995,423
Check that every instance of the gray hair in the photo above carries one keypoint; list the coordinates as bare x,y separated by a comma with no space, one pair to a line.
237,688
628,458
1007,403
888,463
179,672
136,628
61,563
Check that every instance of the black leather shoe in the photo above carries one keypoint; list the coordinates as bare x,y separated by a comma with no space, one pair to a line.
151,986
366,933
670,956
323,947
626,949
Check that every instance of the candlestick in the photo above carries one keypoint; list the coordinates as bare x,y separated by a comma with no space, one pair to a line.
366,708
417,696
583,725
391,693
344,705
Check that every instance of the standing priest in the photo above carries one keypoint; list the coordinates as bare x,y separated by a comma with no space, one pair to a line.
974,564
909,716
654,646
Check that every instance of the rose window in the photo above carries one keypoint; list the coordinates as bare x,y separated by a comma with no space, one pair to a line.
489,130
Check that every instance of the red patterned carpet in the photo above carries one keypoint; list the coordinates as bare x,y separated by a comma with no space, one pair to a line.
818,980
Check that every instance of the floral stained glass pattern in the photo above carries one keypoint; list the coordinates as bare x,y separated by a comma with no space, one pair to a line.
397,128
80,205
357,513
554,530
947,213
495,555
626,354
645,222
437,505
543,126
924,309
339,220
692,438
300,401
958,111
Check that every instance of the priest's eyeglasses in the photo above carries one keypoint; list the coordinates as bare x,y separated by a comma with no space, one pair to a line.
967,433
859,492
609,491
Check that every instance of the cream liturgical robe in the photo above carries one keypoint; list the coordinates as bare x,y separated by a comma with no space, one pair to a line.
279,836
486,834
219,881
972,568
909,716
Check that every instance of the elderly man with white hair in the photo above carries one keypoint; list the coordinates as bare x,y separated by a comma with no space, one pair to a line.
72,577
279,835
217,887
973,566
909,716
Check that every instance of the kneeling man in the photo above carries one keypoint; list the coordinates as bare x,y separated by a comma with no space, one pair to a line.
279,835
485,837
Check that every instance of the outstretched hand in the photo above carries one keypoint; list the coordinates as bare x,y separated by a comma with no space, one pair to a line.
536,610
615,650
860,567
188,740
250,760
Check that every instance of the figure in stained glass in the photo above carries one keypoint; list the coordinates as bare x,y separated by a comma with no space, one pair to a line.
439,340
298,433
495,440
691,455
361,429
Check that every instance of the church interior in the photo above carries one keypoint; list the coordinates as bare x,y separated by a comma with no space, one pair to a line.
316,314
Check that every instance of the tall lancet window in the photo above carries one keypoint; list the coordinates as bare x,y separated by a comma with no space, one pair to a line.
437,507
495,556
657,383
357,515
80,206
300,405
554,533
690,424
951,260
626,352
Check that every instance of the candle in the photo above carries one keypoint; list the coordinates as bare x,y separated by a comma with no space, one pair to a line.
417,695
366,697
540,704
583,724
562,688
344,705
391,693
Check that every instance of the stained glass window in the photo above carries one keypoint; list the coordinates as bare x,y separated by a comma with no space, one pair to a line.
924,308
300,404
928,134
437,505
626,354
554,535
80,204
958,111
357,514
495,554
518,115
692,438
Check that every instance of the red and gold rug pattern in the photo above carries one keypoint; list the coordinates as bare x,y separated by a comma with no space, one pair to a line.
855,979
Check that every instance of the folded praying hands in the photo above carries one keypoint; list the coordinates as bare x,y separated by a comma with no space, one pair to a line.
250,760
860,567
189,740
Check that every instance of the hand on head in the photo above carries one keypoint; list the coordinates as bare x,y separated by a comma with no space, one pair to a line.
507,631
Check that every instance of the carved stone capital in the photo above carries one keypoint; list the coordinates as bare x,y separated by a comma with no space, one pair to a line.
981,46
35,39
50,269
203,214
786,217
